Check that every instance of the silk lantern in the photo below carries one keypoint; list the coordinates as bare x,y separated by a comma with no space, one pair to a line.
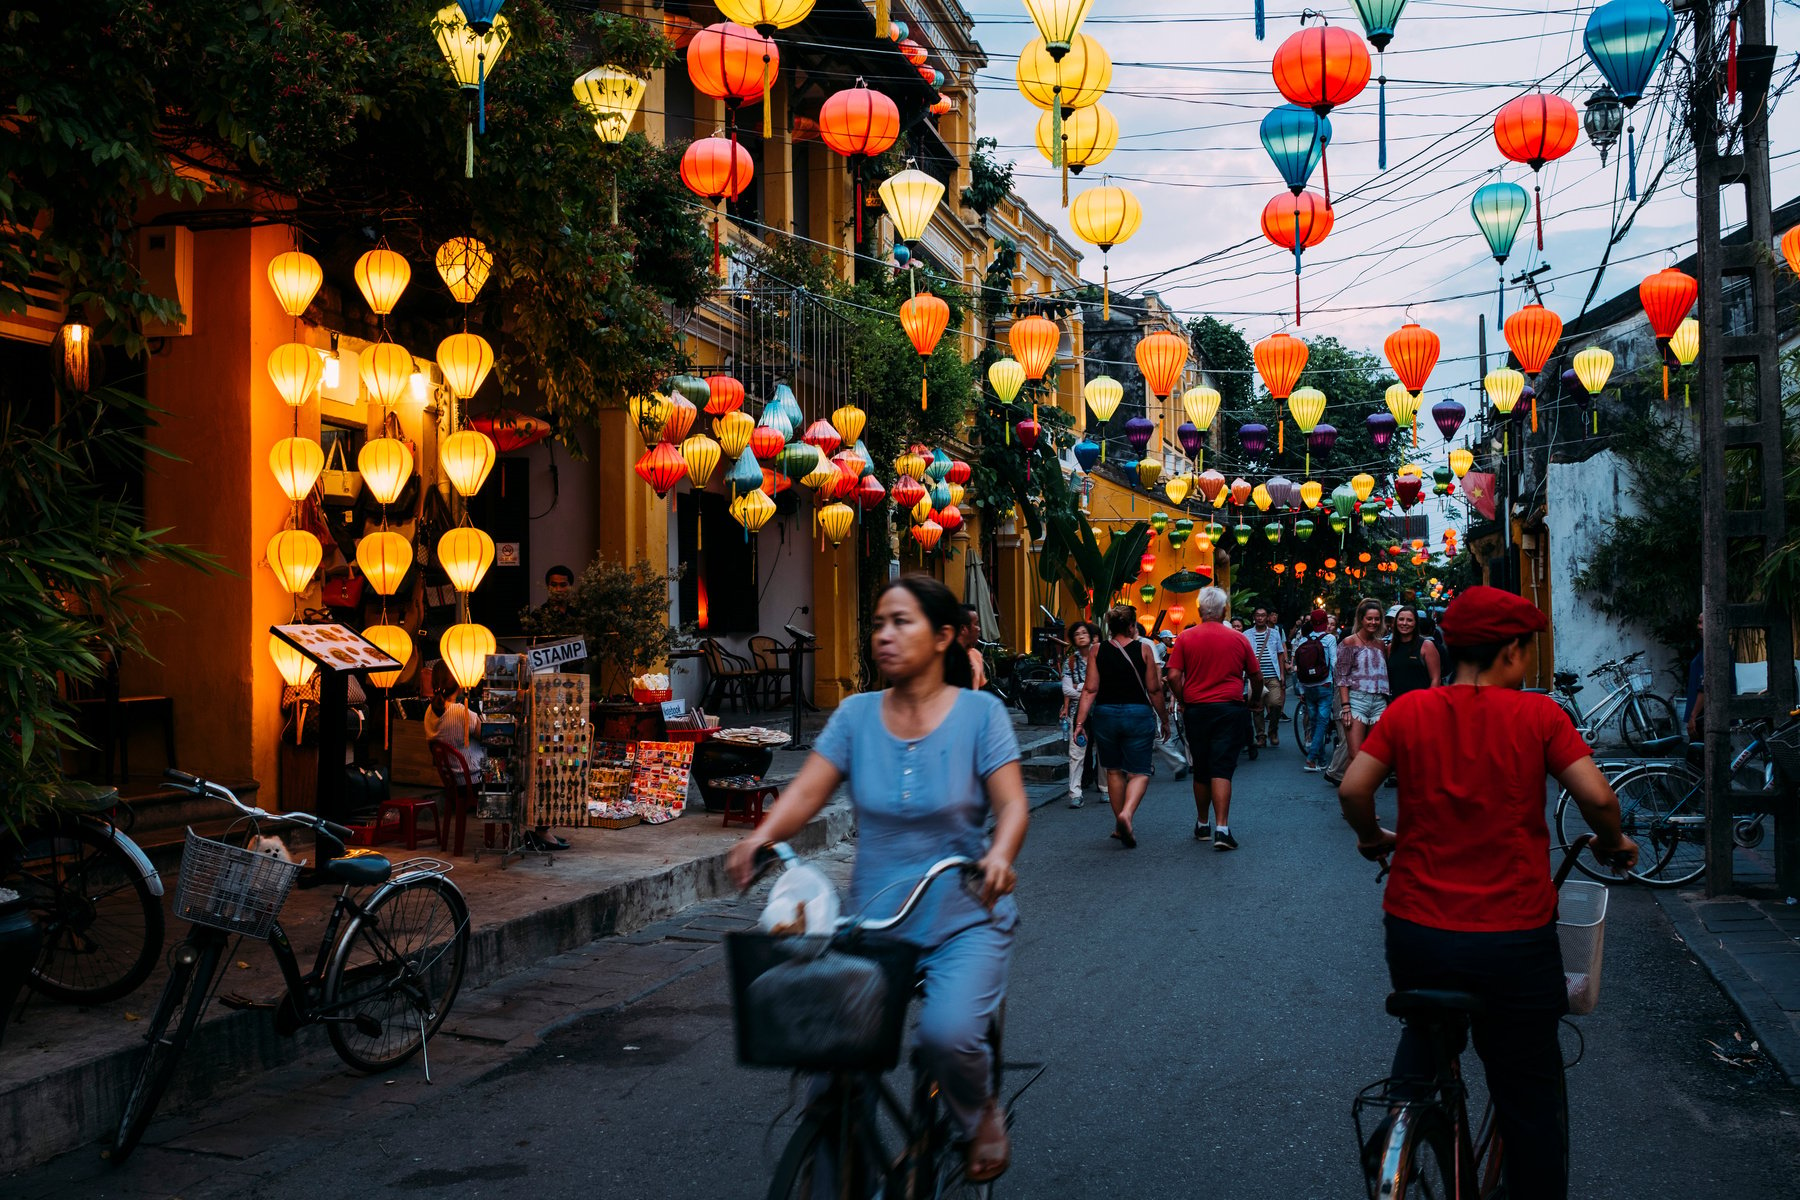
849,421
465,553
472,36
1307,405
1499,209
1412,350
466,457
735,64
1254,436
1685,346
717,169
927,533
870,492
1668,296
1105,216
680,419
1627,39
1447,415
1295,138
1460,461
295,370
1160,357
1310,492
752,510
1189,437
1006,376
1534,129
294,554
465,649
1177,489
1062,81
294,666
385,557
700,454
1088,136
1034,340
1532,333
296,462
1280,358
397,644
386,370
381,276
924,317
465,360
385,465
734,430
859,123
295,276
911,197
463,263
1321,67
1149,470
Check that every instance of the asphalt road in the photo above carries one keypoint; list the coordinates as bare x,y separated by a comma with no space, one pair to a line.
1206,1019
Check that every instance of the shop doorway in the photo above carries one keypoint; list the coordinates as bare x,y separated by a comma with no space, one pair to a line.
503,508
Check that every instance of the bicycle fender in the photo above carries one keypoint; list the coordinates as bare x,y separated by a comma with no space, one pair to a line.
132,851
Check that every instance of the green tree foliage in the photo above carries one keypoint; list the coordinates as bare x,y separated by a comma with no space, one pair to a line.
622,609
989,179
1223,351
1073,554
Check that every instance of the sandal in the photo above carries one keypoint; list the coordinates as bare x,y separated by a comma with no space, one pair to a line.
1123,832
989,1152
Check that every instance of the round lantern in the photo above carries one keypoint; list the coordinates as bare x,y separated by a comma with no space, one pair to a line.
1503,386
1627,39
294,666
1321,439
910,198
1534,129
465,650
1447,415
1254,436
1103,394
723,395
924,317
465,554
1105,217
911,464
1593,367
1272,530
733,63
681,417
1685,346
294,555
1241,531
1063,82
1160,357
386,371
718,169
1362,484
1088,135
296,277
1260,496
859,122
1303,217
1532,333
1279,359
767,443
1790,249
296,462
295,369
701,456
734,430
384,557
1412,351
1321,67
1460,461
1189,437
397,644
1034,340
849,421
465,359
385,464
1240,491
1201,404
381,275
1006,376
1087,453
466,457
907,492
1149,470
1668,296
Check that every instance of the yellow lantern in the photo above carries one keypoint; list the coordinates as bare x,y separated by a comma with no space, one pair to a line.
296,462
1402,403
466,554
612,97
1064,82
734,430
922,509
1007,375
386,464
1310,492
1411,469
463,264
294,666
1307,405
1058,21
1262,498
753,509
381,275
1201,404
1103,394
469,54
296,277
957,492
295,369
294,555
701,454
1105,216
1460,461
465,359
384,557
651,412
824,471
1593,367
849,421
1179,487
398,645
911,197
1149,470
467,456
835,521
386,370
910,465
1503,386
1088,135
1363,484
1686,342
465,650
764,15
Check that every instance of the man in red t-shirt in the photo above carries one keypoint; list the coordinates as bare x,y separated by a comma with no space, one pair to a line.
1470,906
1208,668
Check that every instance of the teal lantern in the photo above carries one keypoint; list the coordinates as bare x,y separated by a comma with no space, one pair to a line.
1241,532
1627,39
1295,138
1303,528
1339,522
1378,20
940,495
745,474
1499,209
788,406
937,468
1272,531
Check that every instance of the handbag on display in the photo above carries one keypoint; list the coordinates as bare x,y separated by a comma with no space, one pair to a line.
344,591
340,484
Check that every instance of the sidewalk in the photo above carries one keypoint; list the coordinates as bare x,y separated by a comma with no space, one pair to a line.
1751,948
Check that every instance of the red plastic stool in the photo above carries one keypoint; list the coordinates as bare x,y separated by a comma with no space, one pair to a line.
744,799
406,809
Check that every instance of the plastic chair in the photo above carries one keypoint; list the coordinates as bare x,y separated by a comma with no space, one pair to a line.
460,790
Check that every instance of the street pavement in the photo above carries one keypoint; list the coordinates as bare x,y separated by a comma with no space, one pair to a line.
1205,1018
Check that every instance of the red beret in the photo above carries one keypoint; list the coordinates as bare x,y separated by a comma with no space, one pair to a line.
1319,618
1485,615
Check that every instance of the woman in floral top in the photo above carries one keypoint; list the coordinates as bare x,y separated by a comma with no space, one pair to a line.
1361,676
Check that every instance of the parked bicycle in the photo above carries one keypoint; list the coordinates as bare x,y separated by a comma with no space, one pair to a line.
1022,680
856,1140
94,894
1420,1144
1646,720
386,974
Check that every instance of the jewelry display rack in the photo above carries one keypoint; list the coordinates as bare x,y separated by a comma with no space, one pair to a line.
561,744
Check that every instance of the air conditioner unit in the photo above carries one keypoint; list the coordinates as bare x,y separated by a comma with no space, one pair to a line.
166,257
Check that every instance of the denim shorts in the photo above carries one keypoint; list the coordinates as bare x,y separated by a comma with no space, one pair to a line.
1124,736
1367,707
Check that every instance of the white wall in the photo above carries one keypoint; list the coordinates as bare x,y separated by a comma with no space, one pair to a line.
1582,498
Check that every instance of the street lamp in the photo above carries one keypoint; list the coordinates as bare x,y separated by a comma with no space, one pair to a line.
1604,120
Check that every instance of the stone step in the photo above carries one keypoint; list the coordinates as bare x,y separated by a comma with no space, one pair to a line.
1045,770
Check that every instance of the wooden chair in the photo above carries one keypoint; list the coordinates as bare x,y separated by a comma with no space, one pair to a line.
727,674
772,674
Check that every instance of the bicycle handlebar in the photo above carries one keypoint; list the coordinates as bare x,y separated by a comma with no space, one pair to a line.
204,787
767,856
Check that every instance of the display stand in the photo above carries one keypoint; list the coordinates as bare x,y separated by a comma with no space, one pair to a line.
561,744
804,644
505,706
338,652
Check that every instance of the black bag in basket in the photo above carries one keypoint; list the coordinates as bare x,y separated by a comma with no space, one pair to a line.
802,1005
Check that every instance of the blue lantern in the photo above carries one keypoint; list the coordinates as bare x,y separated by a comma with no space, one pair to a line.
480,13
1378,20
1499,209
1087,454
1627,39
1295,138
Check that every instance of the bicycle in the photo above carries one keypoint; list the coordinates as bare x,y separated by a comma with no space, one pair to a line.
1421,1146
1647,721
94,894
1303,728
385,976
840,1148
1019,679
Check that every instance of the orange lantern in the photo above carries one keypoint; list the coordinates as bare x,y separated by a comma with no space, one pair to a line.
1306,216
1668,296
1034,340
736,64
679,419
1412,351
1790,250
1280,358
924,317
1532,333
724,395
1240,490
718,169
1161,356
1534,129
927,533
859,123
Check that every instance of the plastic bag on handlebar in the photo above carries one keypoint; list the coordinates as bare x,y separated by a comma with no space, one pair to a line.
802,902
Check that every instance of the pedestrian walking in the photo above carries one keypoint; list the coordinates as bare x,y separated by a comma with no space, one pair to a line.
1470,906
1083,640
1413,661
928,761
1122,708
1315,659
1271,651
1209,668
1361,677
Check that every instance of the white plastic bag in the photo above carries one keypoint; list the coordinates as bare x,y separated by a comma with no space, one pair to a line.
803,901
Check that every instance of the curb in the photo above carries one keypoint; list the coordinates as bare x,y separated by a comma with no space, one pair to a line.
1768,1022
78,1104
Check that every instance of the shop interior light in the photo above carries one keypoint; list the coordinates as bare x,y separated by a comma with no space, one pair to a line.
77,341
418,387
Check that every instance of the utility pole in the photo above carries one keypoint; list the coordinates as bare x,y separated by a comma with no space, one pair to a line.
1528,279
1749,445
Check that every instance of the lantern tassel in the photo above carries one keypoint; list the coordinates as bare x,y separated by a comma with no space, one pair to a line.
481,91
1105,290
1630,163
469,148
1381,117
1056,128
768,109
856,180
1065,180
1281,435
1538,209
715,225
1665,381
881,18
1500,319
1259,20
1534,414
1325,173
924,386
1415,430
1731,61
615,198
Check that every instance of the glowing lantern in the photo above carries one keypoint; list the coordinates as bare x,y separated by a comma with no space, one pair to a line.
1448,416
1160,357
1310,491
1412,351
1593,367
859,123
397,644
465,359
1503,386
823,436
386,371
1062,81
296,277
1460,461
465,554
1149,470
1103,394
1259,495
1211,485
466,457
1254,436
949,518
295,370
1295,138
463,263
1178,488
381,275
734,430
924,317
734,63
465,650
1201,404
612,97
1034,340
907,492
1272,531
1058,22
294,666
1177,617
870,492
384,557
1790,249
835,521
1006,376
718,169
296,462
1296,223
1534,129
911,197
701,456
1105,216
911,464
1307,405
1088,135
294,555
1685,346
927,533
1362,484
1240,491
1668,296
1321,67
650,412
472,36
1532,333
1279,359
849,421
385,464
662,467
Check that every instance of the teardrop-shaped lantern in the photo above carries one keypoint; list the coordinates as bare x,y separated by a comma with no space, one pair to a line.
1503,386
295,370
385,464
465,553
384,557
397,644
296,277
466,458
1006,376
386,371
294,666
464,263
296,462
465,359
381,276
1593,366
465,650
294,555
1103,394
1033,340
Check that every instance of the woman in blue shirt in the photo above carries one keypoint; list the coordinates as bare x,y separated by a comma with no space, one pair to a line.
927,761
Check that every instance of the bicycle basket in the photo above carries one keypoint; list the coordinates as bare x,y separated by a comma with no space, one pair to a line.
817,1004
228,887
1581,928
1641,681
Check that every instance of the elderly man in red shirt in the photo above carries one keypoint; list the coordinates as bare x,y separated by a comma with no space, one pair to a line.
1470,906
1209,667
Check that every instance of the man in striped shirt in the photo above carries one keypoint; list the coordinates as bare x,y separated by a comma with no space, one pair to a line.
1272,657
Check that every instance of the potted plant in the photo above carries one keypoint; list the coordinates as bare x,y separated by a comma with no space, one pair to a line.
622,610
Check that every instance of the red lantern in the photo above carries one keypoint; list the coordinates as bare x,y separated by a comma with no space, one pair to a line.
869,492
735,64
1211,482
1320,68
859,123
949,519
1407,489
1034,340
1160,357
1280,358
662,467
724,395
960,472
1534,129
1028,431
821,434
844,486
1412,351
913,52
1532,332
1146,564
716,168
924,317
1668,296
1177,617
766,442
1240,490
775,482
1307,213
680,420
907,492
511,430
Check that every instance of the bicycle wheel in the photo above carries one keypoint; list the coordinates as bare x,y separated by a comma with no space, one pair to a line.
809,1165
1645,718
1664,809
182,1004
103,928
396,972
1423,1166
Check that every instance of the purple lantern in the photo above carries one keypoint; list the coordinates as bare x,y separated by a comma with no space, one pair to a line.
1189,437
1254,437
1572,386
1138,431
1449,417
1321,439
1381,428
1283,491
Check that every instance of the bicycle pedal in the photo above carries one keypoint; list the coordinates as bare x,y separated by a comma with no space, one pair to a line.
239,1002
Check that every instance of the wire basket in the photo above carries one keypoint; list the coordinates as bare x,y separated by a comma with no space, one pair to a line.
803,1003
228,887
1581,928
1641,681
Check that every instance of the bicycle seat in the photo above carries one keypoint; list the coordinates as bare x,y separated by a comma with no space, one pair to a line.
1659,745
359,867
85,797
1432,1002
1563,677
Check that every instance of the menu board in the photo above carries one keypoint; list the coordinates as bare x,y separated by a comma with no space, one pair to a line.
336,647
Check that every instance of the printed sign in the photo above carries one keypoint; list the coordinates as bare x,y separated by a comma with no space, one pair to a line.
674,710
548,658
336,647
506,554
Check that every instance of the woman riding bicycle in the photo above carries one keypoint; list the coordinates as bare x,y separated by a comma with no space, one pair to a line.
927,760
1470,906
